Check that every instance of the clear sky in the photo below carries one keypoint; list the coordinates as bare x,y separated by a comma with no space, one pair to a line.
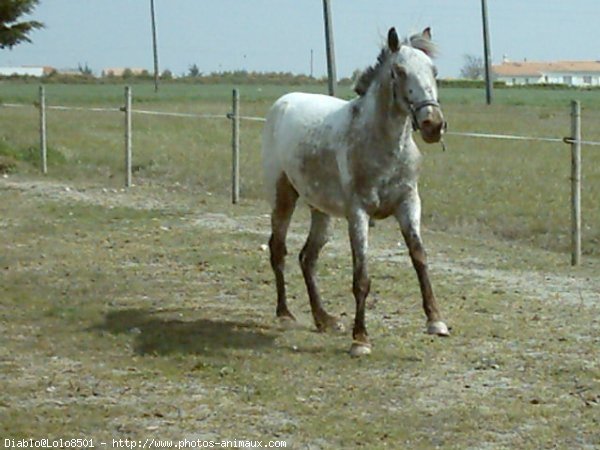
278,35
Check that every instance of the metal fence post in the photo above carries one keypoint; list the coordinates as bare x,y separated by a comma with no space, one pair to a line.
235,146
128,136
575,183
331,72
43,140
489,84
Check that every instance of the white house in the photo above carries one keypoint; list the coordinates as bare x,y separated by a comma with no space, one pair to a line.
31,71
571,73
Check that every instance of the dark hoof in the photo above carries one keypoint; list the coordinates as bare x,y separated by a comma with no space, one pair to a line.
329,324
286,320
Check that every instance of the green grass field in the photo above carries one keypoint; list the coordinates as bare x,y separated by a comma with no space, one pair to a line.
149,312
514,190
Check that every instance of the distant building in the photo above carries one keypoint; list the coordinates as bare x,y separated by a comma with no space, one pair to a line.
70,72
119,71
26,71
571,73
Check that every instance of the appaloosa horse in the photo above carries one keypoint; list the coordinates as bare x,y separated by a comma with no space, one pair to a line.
355,159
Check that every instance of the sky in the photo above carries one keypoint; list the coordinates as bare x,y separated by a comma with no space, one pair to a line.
278,35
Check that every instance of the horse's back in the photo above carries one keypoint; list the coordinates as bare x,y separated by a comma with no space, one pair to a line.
295,124
297,113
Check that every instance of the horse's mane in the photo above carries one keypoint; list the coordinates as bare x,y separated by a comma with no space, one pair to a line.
370,73
417,41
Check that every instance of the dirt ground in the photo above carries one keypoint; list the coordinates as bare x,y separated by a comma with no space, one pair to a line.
149,313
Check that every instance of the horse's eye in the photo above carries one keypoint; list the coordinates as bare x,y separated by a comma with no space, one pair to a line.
435,72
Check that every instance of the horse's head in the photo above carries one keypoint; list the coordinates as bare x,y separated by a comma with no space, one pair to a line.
413,77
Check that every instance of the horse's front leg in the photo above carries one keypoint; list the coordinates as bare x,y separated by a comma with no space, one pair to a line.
358,229
409,218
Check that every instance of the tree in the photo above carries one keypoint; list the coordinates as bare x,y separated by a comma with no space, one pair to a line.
194,71
85,70
473,68
13,32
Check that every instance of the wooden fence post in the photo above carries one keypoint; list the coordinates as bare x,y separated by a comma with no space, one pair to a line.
235,146
128,136
575,183
43,139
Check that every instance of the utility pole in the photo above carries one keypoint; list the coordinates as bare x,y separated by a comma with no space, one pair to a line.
331,75
154,46
487,54
312,58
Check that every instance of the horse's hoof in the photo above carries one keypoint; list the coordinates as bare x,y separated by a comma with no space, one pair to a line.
360,349
330,323
287,321
438,328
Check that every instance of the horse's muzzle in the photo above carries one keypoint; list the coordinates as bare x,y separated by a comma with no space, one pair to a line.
432,125
432,129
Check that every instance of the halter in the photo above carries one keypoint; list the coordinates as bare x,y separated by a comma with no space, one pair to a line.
414,110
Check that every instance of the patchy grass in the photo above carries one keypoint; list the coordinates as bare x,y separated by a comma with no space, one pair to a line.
150,313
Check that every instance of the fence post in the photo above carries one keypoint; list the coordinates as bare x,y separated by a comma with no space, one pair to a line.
127,136
43,140
331,72
235,146
575,183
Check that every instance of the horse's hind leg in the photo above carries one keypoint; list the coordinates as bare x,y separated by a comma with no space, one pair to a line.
317,238
409,217
285,203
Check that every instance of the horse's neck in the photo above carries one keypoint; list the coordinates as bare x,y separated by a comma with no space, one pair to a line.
389,124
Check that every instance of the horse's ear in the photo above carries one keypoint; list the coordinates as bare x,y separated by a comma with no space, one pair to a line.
393,40
423,42
427,33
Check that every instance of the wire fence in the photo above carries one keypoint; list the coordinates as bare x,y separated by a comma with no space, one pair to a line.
574,140
229,116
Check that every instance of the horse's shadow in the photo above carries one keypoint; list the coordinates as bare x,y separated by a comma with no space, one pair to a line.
157,334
